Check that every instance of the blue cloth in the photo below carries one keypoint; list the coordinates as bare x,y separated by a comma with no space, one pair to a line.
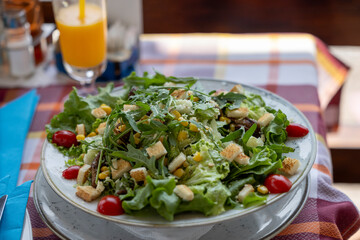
15,118
12,221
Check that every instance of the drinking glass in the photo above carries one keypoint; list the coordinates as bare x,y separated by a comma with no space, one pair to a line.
83,33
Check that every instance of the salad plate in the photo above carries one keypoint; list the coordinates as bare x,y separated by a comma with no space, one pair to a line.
53,164
69,222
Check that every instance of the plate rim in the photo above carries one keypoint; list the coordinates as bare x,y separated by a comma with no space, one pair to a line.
218,218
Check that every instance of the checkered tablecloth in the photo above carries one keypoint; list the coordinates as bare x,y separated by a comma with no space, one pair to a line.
297,67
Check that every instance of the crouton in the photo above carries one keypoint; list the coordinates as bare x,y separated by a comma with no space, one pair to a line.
157,150
89,193
237,89
184,192
101,128
128,107
265,119
241,112
169,84
177,162
98,113
217,93
254,142
119,167
290,165
83,174
242,159
138,174
80,129
179,94
231,151
246,190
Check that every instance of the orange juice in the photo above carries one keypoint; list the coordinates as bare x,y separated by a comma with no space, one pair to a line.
82,40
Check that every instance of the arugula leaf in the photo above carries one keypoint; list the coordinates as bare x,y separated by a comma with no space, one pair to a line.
225,100
205,111
249,133
138,157
157,80
103,97
233,136
280,149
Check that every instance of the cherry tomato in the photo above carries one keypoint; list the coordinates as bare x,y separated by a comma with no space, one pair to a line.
64,138
277,183
110,205
71,172
296,130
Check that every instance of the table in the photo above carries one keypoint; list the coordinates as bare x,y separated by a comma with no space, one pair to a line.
297,67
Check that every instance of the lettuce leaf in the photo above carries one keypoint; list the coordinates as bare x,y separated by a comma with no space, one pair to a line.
200,203
159,194
254,199
275,132
217,193
77,110
140,200
263,162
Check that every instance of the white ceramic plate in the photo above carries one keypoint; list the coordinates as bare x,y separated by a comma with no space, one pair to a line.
69,222
52,162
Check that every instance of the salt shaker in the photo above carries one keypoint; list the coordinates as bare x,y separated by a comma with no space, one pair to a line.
18,43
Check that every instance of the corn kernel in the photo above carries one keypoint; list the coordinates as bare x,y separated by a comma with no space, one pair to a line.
197,157
103,175
137,135
176,114
106,108
193,127
196,99
232,127
80,137
104,168
122,128
92,134
262,189
136,140
179,172
185,164
183,121
225,119
182,135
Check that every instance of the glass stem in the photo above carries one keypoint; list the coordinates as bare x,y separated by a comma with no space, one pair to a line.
87,88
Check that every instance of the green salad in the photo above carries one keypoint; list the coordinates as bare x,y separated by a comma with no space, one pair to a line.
164,144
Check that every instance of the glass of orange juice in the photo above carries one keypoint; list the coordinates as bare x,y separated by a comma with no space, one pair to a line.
83,30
